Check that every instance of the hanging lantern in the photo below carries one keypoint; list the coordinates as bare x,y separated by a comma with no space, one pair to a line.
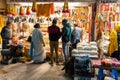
34,6
14,11
28,10
65,7
21,11
7,11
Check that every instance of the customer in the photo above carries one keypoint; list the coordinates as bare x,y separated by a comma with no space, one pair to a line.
54,35
38,43
66,39
76,36
6,35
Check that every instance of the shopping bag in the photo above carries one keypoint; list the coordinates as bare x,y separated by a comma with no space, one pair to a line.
29,39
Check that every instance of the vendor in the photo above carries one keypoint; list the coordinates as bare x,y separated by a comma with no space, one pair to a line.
6,35
114,46
24,31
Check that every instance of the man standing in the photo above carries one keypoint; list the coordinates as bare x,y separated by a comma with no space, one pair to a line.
66,38
54,35
6,35
76,36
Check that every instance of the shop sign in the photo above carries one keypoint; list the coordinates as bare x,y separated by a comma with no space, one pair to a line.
51,0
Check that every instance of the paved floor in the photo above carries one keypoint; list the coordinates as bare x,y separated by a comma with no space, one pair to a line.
29,71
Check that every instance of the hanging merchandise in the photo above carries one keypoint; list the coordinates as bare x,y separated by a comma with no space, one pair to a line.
13,11
21,13
7,11
65,7
116,18
34,6
106,7
51,8
28,10
47,10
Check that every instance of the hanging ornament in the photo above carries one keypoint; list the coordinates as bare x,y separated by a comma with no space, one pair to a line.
21,11
14,11
28,10
7,11
34,6
65,7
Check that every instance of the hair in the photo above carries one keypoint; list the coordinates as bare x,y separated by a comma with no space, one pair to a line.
8,23
37,25
64,21
75,25
54,21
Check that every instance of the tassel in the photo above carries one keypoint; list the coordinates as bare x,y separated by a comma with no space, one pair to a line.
34,6
21,11
28,10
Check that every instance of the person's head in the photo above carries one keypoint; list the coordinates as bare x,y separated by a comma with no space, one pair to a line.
8,24
64,21
37,25
54,22
75,25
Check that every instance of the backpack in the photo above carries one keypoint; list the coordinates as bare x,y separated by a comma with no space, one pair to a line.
29,38
65,36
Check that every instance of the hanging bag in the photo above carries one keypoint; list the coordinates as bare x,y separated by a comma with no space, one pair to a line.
29,38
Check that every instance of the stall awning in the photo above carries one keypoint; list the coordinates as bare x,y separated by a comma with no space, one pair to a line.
51,0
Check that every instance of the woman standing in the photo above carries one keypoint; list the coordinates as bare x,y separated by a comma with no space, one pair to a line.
38,44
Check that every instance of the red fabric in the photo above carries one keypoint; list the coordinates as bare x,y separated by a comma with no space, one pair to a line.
21,14
52,8
28,13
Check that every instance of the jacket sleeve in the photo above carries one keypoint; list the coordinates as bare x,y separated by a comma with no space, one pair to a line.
59,33
64,32
6,33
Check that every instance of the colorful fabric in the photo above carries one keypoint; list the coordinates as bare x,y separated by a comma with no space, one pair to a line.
113,46
44,10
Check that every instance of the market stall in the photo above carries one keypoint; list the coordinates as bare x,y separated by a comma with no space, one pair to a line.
27,14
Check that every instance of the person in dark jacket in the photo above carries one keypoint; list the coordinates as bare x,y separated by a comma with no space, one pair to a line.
66,39
54,35
6,35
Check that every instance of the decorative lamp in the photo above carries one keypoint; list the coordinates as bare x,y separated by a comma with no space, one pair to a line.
28,10
65,7
21,11
13,11
34,6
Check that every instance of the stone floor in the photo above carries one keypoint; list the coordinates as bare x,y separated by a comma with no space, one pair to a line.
29,71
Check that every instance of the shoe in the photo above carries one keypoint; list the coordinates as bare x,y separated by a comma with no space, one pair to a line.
38,62
57,64
51,64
